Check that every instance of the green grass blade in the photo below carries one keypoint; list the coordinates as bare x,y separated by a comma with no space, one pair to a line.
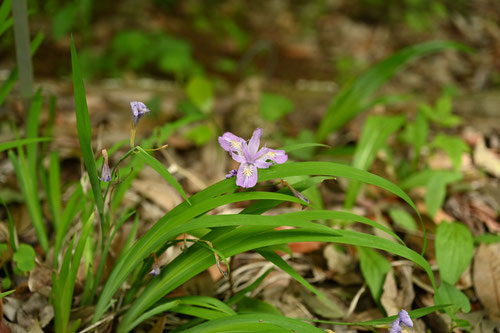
85,131
20,142
162,171
154,311
6,293
355,98
414,314
251,323
271,256
30,193
55,190
4,13
376,131
33,123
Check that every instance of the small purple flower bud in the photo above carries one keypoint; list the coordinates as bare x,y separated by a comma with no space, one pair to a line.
405,318
232,173
105,172
395,327
156,269
139,109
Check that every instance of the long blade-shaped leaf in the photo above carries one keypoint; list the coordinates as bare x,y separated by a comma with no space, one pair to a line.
84,130
355,98
376,131
208,199
20,142
160,168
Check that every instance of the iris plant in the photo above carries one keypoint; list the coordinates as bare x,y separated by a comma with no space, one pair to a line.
250,157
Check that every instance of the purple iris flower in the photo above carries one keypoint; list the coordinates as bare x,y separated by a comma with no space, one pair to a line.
139,109
250,156
403,318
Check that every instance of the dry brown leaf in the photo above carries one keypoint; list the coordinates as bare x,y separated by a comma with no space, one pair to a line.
40,280
394,297
487,159
487,278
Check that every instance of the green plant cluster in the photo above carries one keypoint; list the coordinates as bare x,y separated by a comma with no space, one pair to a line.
95,210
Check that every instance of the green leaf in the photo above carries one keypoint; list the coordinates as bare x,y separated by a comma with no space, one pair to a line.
252,322
271,256
162,171
453,146
414,314
416,134
85,131
449,294
25,257
374,268
30,193
403,219
304,144
354,99
273,107
454,250
422,178
154,311
252,305
376,131
435,193
20,142
201,92
6,293
201,134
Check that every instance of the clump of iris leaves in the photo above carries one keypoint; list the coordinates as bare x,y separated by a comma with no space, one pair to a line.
129,295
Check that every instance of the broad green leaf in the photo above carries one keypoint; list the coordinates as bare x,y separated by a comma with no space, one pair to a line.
403,219
85,130
374,268
354,99
454,250
453,146
201,92
449,294
201,134
435,193
25,257
376,131
273,107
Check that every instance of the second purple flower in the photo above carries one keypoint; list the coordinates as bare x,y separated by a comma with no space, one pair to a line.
250,156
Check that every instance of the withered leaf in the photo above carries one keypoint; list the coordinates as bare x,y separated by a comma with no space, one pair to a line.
487,278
